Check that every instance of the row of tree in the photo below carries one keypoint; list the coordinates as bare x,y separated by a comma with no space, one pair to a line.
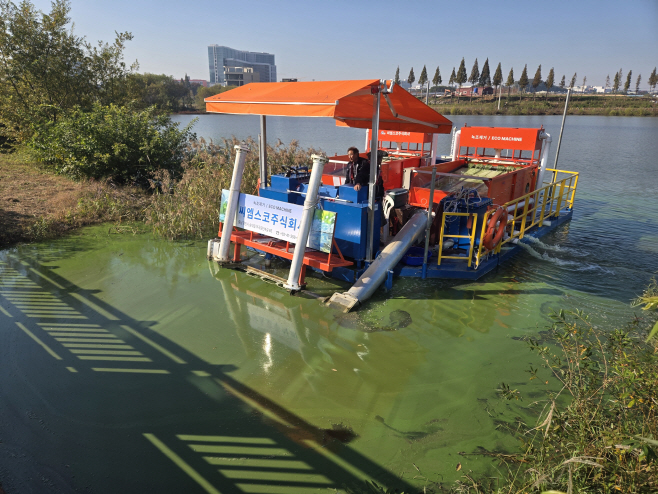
483,78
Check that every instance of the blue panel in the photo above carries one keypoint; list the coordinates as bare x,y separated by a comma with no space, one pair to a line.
347,193
282,183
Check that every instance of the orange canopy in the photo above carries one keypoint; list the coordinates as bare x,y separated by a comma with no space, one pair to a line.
349,102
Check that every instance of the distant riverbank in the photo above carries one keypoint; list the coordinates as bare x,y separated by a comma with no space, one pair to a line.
608,105
515,104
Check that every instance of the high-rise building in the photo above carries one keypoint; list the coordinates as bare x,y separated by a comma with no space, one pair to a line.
223,56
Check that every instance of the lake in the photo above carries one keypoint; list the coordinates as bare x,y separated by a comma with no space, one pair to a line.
132,364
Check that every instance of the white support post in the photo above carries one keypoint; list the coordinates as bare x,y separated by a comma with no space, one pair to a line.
307,219
233,196
374,148
263,151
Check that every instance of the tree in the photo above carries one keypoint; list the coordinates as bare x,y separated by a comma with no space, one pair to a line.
584,83
475,77
397,76
461,74
485,76
627,84
422,81
637,84
437,77
510,80
550,80
617,82
573,80
475,73
607,83
523,82
563,82
436,80
536,81
453,78
653,79
498,76
411,77
46,70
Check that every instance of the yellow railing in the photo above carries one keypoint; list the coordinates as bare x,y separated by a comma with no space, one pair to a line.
532,210
469,257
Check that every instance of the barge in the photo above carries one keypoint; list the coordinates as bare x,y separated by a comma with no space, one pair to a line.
455,217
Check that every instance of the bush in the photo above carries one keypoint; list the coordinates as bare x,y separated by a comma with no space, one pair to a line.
112,142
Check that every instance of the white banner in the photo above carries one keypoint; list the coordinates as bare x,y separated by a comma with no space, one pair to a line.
280,220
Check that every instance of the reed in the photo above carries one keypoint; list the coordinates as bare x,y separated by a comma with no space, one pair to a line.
189,207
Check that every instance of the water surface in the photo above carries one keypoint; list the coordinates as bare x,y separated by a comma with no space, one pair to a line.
200,379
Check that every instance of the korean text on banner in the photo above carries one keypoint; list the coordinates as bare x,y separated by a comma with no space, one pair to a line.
280,220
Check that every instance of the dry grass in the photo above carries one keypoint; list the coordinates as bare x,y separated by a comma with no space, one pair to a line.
35,205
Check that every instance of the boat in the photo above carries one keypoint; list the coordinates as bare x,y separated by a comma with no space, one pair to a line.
455,217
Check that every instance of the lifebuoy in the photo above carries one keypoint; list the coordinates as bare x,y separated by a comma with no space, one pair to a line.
495,230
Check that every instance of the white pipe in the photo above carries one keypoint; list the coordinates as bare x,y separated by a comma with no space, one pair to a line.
544,158
374,161
435,147
456,141
263,152
374,276
307,219
233,196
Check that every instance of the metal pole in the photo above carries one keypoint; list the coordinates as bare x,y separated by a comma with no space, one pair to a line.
263,152
307,219
500,91
564,117
233,196
429,223
374,148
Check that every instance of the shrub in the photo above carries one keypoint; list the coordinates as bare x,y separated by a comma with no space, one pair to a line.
112,142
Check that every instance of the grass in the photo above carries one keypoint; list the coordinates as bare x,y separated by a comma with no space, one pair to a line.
515,104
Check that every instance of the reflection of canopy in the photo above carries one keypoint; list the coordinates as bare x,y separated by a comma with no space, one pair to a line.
349,102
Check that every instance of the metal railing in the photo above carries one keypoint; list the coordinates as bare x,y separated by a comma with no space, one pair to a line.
524,213
532,210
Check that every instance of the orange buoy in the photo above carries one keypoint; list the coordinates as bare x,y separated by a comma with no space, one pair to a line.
495,229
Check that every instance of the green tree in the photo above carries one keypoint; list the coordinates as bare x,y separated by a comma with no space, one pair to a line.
510,80
563,82
453,78
607,83
422,80
498,76
396,80
653,79
550,80
436,80
46,69
573,80
616,82
637,83
485,76
627,84
475,74
523,81
461,74
536,81
411,77
584,83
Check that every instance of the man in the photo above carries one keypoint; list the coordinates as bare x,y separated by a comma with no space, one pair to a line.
358,169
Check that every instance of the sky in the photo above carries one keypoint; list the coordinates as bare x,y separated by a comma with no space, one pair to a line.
363,39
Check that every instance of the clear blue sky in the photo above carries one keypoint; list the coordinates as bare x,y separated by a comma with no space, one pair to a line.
339,39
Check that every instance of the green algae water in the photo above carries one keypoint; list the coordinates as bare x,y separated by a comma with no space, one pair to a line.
132,364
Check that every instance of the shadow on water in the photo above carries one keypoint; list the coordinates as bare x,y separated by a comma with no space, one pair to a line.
96,400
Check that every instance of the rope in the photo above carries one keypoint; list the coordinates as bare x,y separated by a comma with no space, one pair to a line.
451,203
